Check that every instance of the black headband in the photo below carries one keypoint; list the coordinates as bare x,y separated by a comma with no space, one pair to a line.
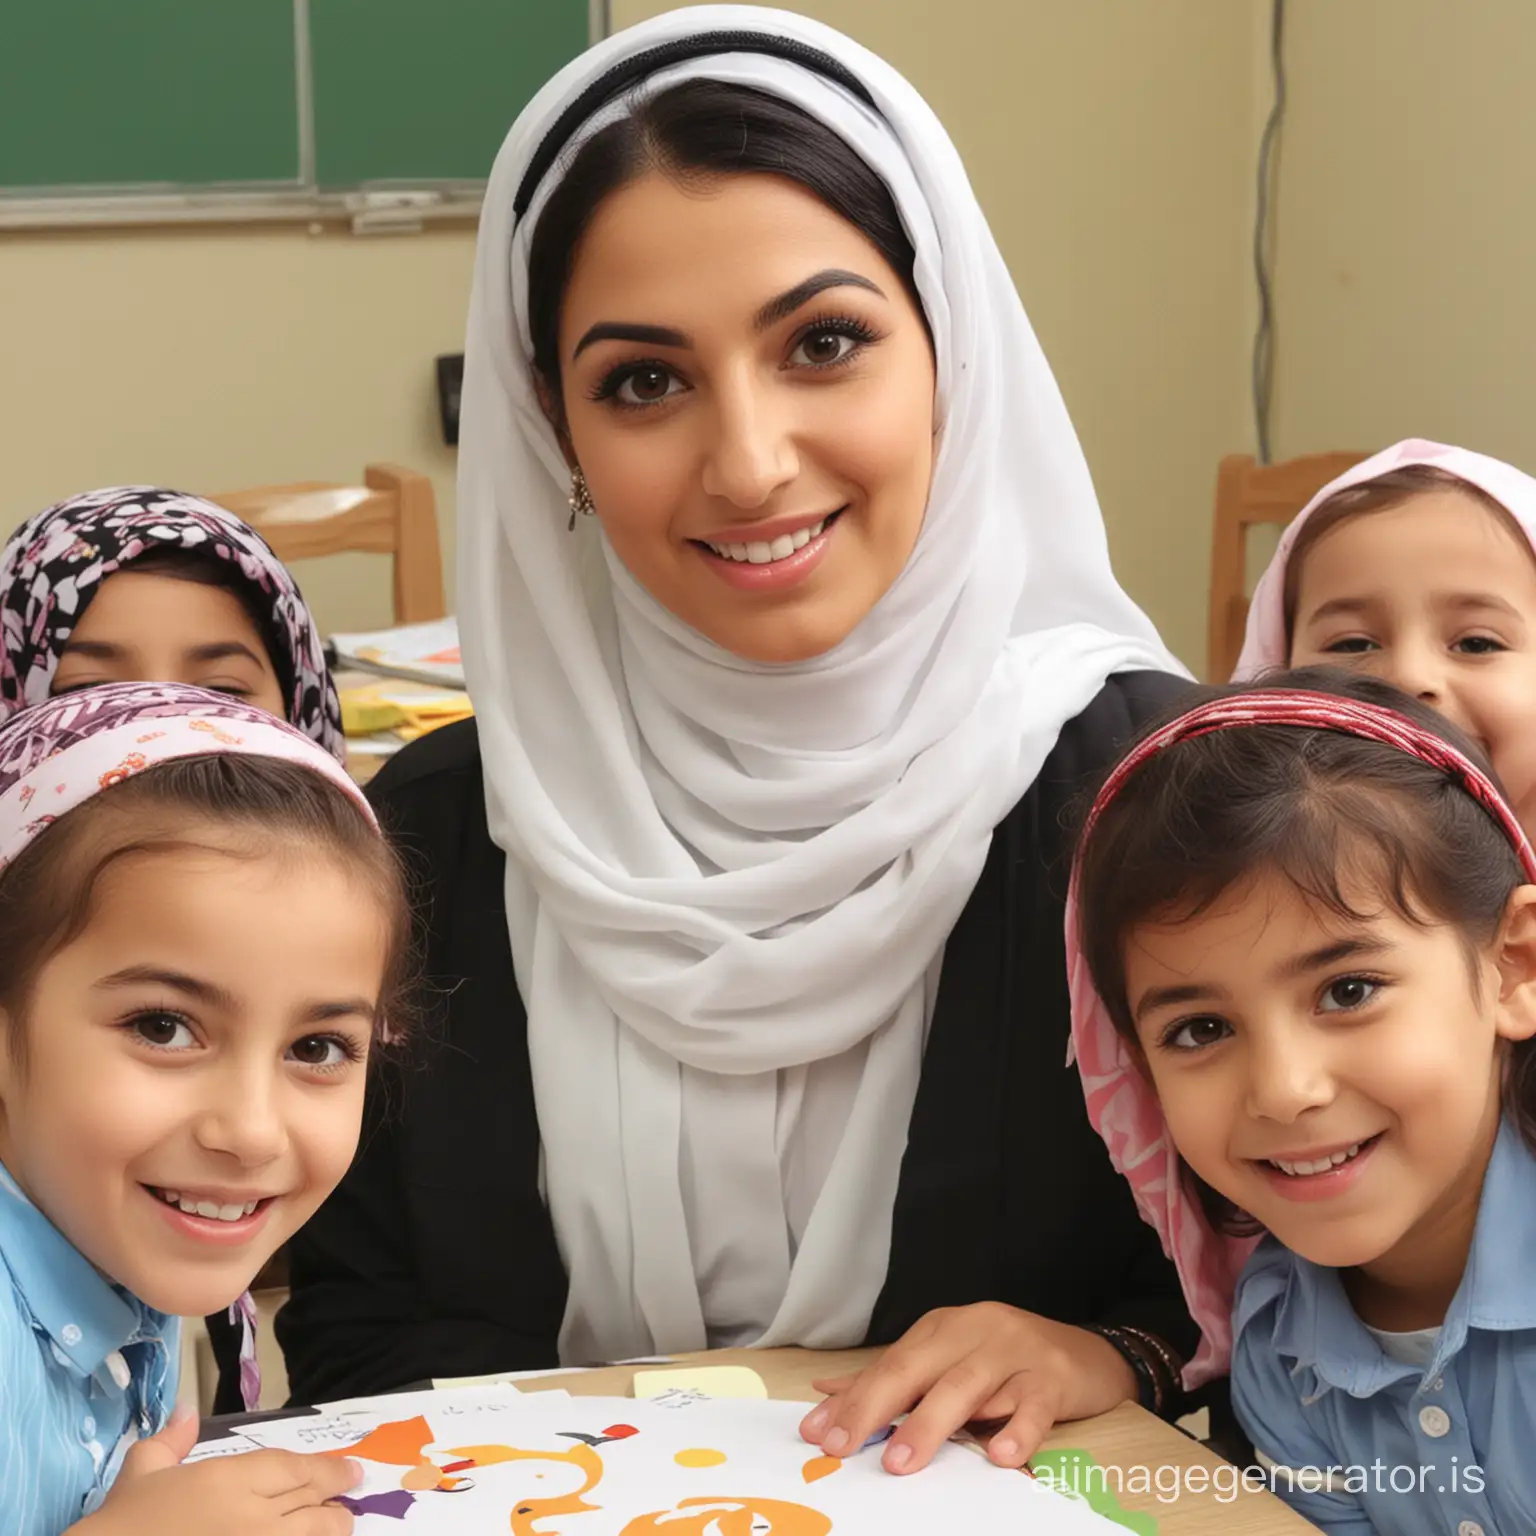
615,81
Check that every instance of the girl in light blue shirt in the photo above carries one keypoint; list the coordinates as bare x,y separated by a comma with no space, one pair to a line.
204,937
1304,1011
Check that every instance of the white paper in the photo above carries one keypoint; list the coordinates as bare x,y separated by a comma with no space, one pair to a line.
486,1460
426,652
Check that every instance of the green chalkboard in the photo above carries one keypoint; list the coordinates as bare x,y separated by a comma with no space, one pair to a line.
135,92
133,96
426,89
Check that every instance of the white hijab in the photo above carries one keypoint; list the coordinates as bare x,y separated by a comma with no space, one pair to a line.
729,885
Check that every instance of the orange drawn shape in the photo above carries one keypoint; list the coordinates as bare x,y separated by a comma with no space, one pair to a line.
819,1467
527,1511
402,1443
700,1456
620,1431
731,1517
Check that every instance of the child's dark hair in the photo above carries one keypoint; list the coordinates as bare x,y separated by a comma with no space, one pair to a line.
1330,812
1379,495
46,892
204,569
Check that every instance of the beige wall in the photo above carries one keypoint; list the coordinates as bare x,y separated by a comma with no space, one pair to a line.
1407,305
219,358
1109,140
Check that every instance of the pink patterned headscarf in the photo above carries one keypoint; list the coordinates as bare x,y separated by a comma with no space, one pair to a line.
59,753
1264,644
1121,1104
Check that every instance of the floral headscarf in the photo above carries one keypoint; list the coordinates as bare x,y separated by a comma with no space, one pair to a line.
56,755
54,564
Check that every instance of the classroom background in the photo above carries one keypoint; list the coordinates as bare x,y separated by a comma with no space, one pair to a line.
1114,145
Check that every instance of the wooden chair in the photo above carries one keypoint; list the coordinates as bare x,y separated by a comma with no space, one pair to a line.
393,512
1248,494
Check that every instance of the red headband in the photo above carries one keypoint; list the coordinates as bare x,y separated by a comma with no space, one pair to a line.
1327,712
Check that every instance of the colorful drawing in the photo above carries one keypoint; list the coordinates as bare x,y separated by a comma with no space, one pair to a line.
388,1506
527,1511
731,1517
403,1443
547,1465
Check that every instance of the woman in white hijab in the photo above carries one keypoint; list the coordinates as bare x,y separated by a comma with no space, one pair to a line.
740,886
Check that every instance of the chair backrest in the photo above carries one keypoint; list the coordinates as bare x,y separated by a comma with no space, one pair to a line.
1247,494
393,512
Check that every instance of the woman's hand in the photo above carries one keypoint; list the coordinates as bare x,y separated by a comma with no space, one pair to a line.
961,1365
264,1493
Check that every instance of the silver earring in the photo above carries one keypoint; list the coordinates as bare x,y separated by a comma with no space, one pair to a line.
580,499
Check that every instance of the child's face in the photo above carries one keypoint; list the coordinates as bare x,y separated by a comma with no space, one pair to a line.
158,629
1439,597
1280,1036
205,1036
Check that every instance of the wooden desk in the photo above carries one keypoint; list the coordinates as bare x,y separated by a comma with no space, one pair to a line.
1125,1438
363,765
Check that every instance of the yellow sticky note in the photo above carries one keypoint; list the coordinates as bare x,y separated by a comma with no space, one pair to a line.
711,1380
363,712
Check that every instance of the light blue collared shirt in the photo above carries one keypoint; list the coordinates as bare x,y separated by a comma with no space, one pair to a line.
1444,1450
85,1370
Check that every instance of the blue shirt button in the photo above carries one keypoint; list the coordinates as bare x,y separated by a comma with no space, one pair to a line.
118,1367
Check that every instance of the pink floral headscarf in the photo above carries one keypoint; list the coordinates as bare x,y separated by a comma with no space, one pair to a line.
59,753
1121,1104
1264,644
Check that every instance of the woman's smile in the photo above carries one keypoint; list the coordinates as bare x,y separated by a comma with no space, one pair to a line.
769,557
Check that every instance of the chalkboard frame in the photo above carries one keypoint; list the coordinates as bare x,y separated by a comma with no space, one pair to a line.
385,205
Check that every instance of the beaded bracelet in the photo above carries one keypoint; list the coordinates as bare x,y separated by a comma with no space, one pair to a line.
1149,1390
1169,1360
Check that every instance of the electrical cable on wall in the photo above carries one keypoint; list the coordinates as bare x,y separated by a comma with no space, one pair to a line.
1264,336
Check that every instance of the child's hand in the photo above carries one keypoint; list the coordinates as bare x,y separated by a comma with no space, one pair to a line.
960,1365
265,1493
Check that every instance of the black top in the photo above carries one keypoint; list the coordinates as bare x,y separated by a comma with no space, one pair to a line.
436,1256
